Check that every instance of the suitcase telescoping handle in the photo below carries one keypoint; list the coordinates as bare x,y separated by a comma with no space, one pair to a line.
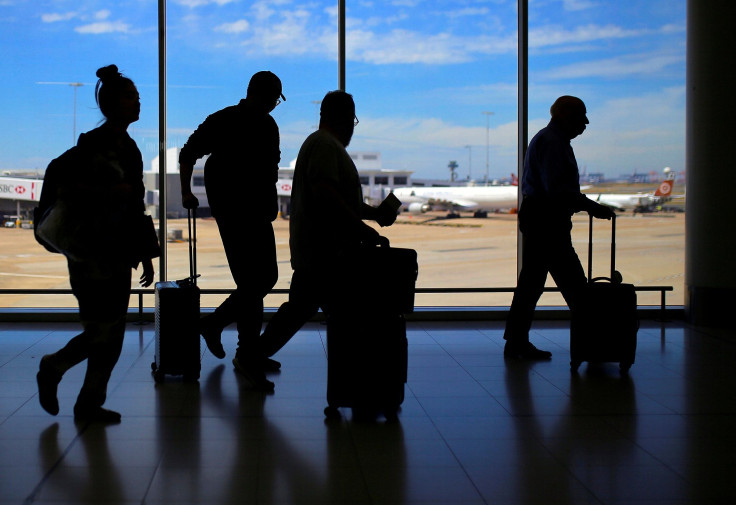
615,276
192,223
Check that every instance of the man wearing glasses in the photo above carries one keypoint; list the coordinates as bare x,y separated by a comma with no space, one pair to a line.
240,178
326,224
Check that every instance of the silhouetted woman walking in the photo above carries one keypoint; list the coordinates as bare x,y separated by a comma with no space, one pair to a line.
99,183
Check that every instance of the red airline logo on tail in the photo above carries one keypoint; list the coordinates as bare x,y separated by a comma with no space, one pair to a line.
664,189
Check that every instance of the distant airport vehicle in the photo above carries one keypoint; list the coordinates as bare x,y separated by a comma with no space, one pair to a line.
638,202
477,199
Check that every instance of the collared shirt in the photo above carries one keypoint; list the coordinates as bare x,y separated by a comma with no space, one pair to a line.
550,169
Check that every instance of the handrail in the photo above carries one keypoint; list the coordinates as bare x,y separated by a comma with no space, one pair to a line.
140,292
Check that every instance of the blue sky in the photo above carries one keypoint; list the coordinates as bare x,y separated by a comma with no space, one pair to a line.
422,73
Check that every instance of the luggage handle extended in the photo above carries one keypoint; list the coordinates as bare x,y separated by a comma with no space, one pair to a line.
192,225
615,277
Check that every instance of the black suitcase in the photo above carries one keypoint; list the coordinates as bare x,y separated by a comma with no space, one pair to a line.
391,276
367,362
177,350
367,355
604,323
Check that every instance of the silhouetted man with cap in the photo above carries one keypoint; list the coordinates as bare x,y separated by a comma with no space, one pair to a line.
551,195
240,178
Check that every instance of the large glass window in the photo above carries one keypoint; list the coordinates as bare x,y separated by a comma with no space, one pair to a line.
50,53
626,61
435,89
435,86
213,49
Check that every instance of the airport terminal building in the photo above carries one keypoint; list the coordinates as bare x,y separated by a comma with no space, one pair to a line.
376,181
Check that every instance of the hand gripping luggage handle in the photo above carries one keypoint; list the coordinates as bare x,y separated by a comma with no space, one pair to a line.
192,223
615,276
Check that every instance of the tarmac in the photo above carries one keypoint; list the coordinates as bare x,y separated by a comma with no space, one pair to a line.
453,253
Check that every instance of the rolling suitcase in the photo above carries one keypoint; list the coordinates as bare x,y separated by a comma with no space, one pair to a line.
367,348
177,349
366,364
604,323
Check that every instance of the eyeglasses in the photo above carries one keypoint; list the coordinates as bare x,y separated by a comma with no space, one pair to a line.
355,121
278,101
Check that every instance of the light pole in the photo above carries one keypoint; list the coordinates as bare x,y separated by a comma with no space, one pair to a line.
75,85
470,166
488,115
317,104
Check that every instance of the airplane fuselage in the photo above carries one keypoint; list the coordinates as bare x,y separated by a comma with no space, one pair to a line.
467,198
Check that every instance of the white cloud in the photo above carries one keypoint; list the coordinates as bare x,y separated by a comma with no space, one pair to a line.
405,46
103,14
239,26
292,36
555,36
102,27
192,4
56,17
618,67
468,11
578,5
645,132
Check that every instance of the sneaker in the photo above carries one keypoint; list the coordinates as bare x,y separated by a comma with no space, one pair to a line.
271,365
48,381
213,339
525,351
96,415
255,376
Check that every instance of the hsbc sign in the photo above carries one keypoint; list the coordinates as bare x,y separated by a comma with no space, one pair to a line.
20,189
283,187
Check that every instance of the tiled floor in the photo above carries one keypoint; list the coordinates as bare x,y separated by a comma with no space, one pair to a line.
473,429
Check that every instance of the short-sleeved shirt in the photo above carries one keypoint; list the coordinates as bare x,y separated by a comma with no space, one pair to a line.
242,170
318,231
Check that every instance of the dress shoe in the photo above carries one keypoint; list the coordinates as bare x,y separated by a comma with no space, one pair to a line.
48,381
525,351
253,374
213,338
95,415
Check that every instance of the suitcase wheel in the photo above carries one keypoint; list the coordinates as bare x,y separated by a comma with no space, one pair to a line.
158,375
332,413
191,377
392,415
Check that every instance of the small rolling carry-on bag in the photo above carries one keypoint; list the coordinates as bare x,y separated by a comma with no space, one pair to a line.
367,354
604,324
177,321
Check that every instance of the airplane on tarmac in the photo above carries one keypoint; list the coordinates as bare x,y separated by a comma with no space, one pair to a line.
476,199
639,202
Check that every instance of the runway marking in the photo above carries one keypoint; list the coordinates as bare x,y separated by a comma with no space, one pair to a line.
10,274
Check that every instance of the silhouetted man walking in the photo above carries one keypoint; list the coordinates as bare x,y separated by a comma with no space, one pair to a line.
240,178
326,224
551,195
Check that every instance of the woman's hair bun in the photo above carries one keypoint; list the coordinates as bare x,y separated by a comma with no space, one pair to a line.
108,72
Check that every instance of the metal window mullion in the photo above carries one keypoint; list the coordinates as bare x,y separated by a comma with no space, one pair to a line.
162,197
341,45
522,112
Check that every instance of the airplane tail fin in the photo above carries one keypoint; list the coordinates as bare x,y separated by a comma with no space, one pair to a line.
514,180
665,188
